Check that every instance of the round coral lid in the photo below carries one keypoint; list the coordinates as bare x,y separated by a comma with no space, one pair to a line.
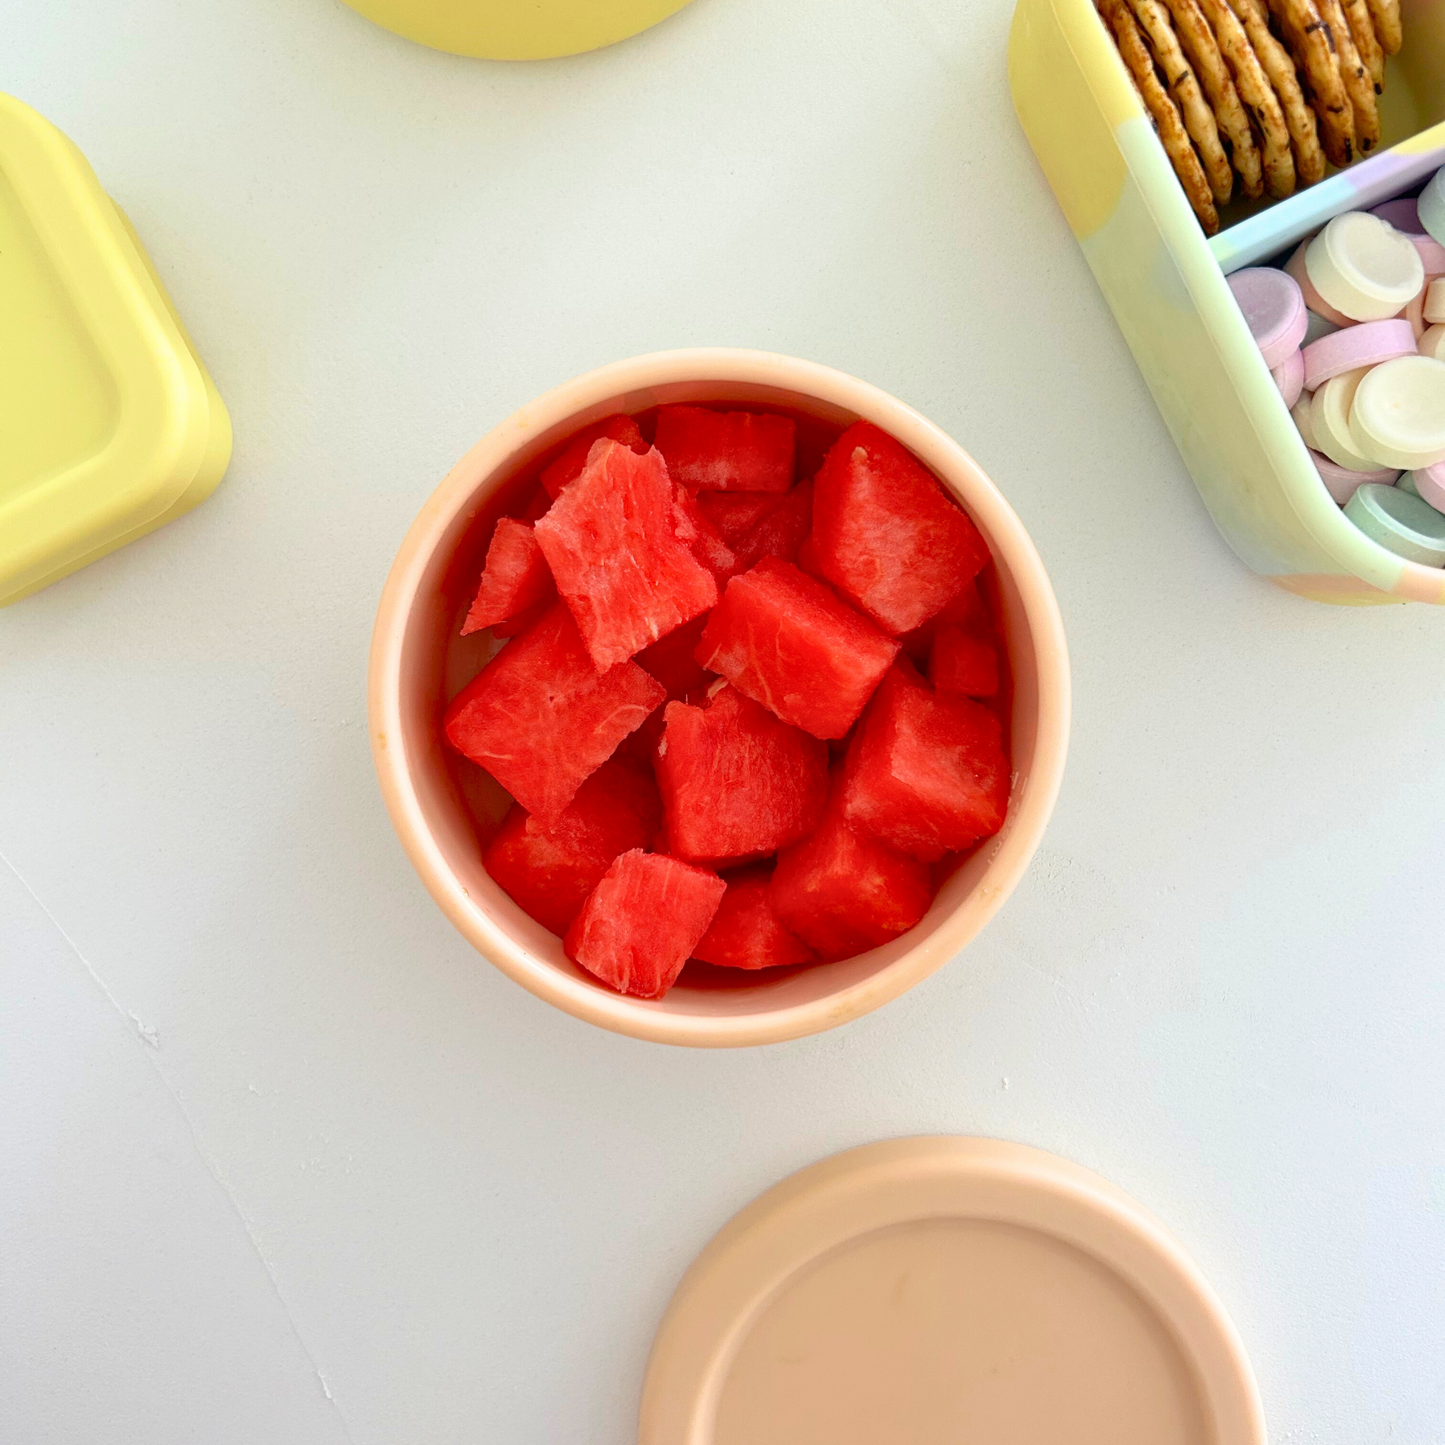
932,1290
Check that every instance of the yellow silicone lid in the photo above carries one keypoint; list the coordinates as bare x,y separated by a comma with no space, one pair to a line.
109,424
510,30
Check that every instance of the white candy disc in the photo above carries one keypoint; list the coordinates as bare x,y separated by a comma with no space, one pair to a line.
1397,416
1364,267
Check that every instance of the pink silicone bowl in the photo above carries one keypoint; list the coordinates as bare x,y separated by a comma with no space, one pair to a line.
417,663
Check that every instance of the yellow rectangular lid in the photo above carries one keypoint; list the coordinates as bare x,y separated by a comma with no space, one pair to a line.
109,424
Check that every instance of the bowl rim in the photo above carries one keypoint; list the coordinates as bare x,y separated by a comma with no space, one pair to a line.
1011,546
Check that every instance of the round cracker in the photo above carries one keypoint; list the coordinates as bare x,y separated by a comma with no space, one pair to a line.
1183,85
1386,15
1311,43
1157,101
1358,85
1362,32
1304,128
1258,97
1199,44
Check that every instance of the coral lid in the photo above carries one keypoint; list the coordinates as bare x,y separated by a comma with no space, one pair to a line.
932,1289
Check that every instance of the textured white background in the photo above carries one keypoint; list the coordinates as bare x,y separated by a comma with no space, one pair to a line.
281,1159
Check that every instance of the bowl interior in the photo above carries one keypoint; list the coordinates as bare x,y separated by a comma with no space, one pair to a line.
452,795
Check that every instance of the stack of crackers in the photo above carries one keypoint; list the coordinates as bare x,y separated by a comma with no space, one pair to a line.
1264,89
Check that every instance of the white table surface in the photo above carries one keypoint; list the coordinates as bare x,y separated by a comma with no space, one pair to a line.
281,1158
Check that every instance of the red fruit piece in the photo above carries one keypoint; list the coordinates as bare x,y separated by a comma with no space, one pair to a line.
786,641
568,464
515,626
734,514
745,931
726,451
612,542
550,871
642,921
515,577
926,773
961,663
886,534
736,782
843,892
539,717
695,528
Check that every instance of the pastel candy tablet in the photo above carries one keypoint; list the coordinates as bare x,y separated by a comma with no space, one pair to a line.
1341,483
1290,377
1364,267
1330,418
1274,310
1431,207
1435,300
1432,254
1316,303
1397,414
1432,343
1403,215
1300,411
1428,485
1354,346
1403,524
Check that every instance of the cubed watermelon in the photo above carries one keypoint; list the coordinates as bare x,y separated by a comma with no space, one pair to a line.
550,871
842,892
528,618
734,514
745,931
696,528
611,540
926,773
515,577
886,534
567,465
642,921
726,451
962,662
540,718
736,782
786,641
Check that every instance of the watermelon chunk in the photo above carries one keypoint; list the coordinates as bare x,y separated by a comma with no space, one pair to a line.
885,533
539,717
726,451
842,892
642,921
568,464
745,931
776,532
735,514
787,642
516,577
550,871
962,663
736,782
696,528
926,773
612,542
527,618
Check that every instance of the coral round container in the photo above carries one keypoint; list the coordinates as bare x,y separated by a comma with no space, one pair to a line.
417,663
508,30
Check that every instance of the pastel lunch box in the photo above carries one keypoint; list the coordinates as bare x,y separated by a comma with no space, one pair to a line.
110,425
1165,282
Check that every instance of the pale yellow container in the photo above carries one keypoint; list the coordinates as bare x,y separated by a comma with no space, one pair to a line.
109,424
516,29
1165,282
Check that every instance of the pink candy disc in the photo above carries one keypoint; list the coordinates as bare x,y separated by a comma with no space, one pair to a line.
1432,254
1341,483
1290,377
1364,345
1403,215
1274,309
1430,483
